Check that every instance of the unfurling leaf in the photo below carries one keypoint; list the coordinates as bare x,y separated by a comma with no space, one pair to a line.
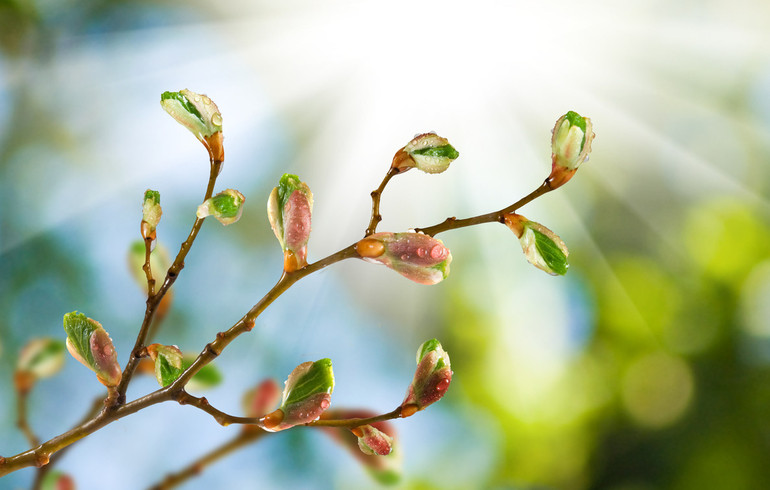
91,345
416,256
306,395
200,115
226,207
168,362
542,247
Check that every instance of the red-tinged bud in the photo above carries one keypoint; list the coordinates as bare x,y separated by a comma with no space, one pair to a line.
258,401
570,146
416,256
428,152
91,345
542,247
431,379
372,441
306,396
385,469
289,210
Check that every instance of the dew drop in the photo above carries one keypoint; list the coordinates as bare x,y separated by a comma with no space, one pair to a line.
422,252
442,385
437,252
324,404
404,256
197,98
217,119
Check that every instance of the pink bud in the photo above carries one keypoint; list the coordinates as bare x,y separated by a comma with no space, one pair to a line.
372,441
431,379
416,256
106,364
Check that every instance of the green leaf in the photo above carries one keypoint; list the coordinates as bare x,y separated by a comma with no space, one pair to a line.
226,205
186,104
445,151
79,329
153,196
319,378
286,186
168,372
552,254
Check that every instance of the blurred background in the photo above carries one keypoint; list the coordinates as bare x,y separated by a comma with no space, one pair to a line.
647,366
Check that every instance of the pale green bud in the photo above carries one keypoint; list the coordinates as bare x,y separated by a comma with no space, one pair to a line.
151,213
226,207
200,115
542,247
290,210
42,357
428,152
168,362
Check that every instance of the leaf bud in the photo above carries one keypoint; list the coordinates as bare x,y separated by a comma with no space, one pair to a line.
289,210
431,379
151,213
416,256
306,395
226,207
168,362
91,345
372,441
41,357
428,152
570,146
200,115
542,247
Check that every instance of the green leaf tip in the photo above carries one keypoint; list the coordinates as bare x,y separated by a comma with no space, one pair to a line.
319,378
226,205
553,256
188,106
576,119
286,186
79,329
445,151
427,346
150,195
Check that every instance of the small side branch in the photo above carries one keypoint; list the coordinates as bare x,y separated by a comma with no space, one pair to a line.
376,196
222,418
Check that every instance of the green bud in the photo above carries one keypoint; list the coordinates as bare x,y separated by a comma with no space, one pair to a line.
306,395
42,357
226,207
168,362
570,146
427,152
91,345
151,213
542,247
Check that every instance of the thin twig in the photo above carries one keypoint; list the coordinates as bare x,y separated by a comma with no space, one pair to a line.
497,216
153,300
21,421
376,196
356,422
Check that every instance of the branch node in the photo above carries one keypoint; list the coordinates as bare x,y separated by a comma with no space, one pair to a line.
42,459
249,325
